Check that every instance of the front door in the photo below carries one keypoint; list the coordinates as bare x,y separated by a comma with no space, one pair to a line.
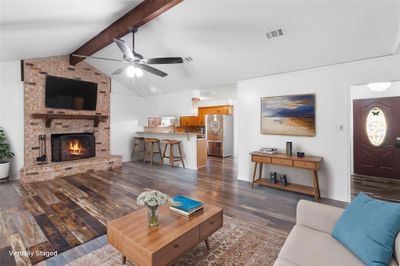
377,137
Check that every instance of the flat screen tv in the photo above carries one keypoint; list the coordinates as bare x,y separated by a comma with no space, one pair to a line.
72,94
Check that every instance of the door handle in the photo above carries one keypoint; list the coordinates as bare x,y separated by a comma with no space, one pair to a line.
398,142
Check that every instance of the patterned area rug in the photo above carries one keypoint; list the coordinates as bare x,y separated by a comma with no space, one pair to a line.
236,243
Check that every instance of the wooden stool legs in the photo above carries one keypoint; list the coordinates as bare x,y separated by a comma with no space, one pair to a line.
161,157
180,154
138,143
149,150
172,158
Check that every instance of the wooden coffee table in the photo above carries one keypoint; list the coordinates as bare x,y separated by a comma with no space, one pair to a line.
166,242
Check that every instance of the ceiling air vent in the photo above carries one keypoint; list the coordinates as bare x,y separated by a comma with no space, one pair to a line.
188,59
274,33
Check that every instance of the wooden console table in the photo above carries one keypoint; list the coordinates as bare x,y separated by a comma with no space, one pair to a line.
306,162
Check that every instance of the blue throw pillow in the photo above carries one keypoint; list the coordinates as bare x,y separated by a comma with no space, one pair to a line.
368,228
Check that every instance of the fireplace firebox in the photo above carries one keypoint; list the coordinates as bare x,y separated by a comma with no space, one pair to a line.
68,147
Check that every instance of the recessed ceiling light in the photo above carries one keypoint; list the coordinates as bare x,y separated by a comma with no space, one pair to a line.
379,86
274,33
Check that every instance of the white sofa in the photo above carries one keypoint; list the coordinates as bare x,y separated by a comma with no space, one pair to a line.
310,242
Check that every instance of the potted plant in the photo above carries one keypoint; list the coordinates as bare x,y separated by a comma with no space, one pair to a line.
5,156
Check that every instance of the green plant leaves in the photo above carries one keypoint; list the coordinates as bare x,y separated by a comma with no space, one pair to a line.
5,148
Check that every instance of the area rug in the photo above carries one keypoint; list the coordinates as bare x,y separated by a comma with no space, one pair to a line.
236,243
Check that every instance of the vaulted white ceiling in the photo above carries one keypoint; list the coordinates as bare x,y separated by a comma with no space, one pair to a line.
226,39
41,28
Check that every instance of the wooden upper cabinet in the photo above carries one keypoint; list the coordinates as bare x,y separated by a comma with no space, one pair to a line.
185,120
202,112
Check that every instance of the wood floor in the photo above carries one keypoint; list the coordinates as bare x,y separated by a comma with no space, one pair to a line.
377,187
63,213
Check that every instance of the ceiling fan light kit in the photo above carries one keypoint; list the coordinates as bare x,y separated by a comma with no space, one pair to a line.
130,71
136,62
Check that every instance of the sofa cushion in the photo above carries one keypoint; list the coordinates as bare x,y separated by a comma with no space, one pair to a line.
368,228
305,246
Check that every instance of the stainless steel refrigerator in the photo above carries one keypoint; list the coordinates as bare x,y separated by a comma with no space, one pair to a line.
219,134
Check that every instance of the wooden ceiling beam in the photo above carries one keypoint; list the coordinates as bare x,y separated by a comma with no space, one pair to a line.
138,16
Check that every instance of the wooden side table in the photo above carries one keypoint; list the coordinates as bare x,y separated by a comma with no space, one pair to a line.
307,162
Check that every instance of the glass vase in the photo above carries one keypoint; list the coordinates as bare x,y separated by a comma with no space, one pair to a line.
153,215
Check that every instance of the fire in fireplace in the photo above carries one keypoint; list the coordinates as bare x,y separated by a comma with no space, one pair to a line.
67,147
76,147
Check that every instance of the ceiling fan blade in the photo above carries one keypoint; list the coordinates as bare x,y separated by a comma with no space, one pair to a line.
152,70
124,49
96,57
163,60
119,70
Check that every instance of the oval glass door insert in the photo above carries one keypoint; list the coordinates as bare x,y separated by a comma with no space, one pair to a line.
376,126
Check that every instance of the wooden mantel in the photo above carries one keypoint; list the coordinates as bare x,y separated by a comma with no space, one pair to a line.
50,117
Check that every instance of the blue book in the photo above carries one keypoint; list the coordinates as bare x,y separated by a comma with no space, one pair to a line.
186,204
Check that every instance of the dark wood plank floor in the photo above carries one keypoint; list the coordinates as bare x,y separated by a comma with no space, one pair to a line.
377,187
63,213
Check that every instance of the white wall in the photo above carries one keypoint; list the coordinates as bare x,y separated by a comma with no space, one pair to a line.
332,88
12,111
126,117
178,103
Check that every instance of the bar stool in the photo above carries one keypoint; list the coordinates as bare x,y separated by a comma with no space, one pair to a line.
138,146
149,149
172,158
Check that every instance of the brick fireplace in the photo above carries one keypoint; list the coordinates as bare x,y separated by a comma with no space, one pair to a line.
73,141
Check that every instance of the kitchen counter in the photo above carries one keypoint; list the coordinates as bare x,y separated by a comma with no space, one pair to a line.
189,145
168,133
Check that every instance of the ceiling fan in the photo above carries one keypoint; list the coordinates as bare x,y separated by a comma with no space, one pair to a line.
136,62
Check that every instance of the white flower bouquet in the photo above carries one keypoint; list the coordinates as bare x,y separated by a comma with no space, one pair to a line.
152,200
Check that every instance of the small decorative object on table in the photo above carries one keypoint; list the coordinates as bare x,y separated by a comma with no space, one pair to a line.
283,180
300,154
186,206
152,200
289,148
268,150
273,177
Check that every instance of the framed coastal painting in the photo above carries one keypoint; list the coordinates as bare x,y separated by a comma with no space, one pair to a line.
288,115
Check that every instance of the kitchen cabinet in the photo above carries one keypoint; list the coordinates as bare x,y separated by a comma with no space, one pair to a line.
187,120
202,112
201,153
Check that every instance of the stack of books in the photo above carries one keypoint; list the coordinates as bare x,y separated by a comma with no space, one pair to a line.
268,150
186,206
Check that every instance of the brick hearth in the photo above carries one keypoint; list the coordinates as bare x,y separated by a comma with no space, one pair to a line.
35,71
